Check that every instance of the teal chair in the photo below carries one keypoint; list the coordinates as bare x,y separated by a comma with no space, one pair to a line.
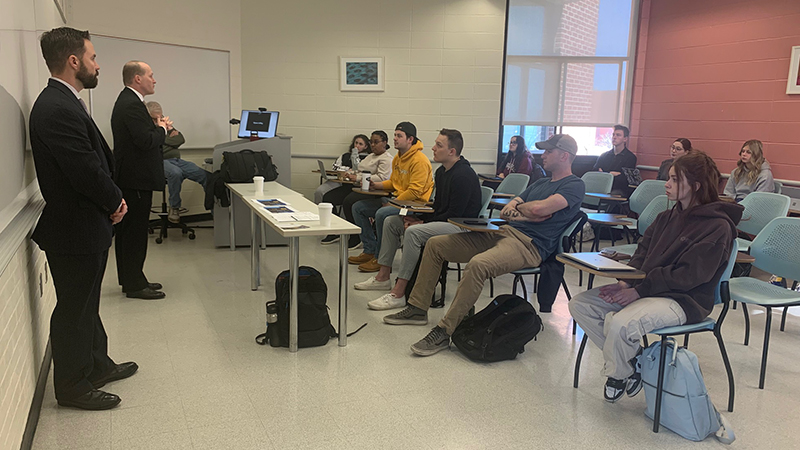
513,184
486,197
759,209
723,296
778,187
598,183
777,251
657,205
641,197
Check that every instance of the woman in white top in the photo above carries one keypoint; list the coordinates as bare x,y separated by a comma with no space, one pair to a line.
378,165
752,172
359,149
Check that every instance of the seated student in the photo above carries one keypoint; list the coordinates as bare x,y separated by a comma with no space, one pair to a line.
752,173
537,218
412,179
359,149
616,159
458,194
683,253
680,147
379,166
176,169
518,160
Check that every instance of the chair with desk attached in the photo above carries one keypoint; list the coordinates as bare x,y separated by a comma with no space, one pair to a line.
598,183
510,187
641,197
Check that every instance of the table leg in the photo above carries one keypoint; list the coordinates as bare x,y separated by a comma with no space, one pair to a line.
343,241
255,251
294,269
231,231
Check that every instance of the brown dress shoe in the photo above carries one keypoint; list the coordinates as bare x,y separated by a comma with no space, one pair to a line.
360,259
370,266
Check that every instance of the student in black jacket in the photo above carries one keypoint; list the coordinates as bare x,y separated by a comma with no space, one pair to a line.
616,159
458,194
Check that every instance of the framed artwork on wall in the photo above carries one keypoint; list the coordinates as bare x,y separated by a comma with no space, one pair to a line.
361,74
793,83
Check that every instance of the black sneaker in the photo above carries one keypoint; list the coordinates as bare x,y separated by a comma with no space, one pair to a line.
634,384
614,389
354,242
330,239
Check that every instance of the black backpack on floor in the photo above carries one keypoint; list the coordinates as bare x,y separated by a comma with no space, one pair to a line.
242,166
500,331
313,323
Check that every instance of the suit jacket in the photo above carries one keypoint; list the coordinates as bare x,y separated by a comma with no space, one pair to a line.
137,145
75,168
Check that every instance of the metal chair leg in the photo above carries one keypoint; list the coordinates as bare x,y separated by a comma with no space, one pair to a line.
686,340
524,289
726,361
644,341
578,361
734,303
766,349
660,388
590,282
783,318
746,324
566,289
535,282
491,287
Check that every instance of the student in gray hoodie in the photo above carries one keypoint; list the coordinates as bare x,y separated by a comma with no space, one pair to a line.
752,172
683,254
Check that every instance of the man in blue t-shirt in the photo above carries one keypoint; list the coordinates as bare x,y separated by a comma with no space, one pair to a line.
536,218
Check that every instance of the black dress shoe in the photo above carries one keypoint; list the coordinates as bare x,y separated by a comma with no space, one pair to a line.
147,294
118,372
93,400
153,286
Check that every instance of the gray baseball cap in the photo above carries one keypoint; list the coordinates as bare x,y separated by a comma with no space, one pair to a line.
560,141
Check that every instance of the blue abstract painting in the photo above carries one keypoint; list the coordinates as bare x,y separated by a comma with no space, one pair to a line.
361,73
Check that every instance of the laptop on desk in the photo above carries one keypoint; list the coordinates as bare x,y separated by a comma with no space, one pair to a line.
598,262
323,173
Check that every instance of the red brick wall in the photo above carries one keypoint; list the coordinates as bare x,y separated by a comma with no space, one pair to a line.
715,71
577,36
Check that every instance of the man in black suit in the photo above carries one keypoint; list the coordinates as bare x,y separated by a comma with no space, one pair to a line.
139,172
74,167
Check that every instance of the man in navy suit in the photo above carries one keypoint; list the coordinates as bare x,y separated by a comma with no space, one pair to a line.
75,167
139,172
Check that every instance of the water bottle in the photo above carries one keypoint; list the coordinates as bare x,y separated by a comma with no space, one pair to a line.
355,160
272,312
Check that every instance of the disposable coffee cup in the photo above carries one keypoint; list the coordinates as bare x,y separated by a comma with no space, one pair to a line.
258,181
325,214
365,183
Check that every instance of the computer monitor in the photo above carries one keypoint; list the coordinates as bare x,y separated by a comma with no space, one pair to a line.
259,123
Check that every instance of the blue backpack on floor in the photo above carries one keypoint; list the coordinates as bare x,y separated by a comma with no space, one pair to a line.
686,408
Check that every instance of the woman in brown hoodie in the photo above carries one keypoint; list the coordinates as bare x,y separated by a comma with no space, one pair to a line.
683,254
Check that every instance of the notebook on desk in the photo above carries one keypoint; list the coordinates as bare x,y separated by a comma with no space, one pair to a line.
598,262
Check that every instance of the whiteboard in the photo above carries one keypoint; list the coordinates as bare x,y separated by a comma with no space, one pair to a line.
192,86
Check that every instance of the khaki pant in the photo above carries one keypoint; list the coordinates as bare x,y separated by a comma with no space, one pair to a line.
488,255
618,330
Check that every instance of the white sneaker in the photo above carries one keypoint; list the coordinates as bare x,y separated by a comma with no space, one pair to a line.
373,285
387,301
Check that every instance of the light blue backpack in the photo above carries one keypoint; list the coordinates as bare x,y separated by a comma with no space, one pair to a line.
686,408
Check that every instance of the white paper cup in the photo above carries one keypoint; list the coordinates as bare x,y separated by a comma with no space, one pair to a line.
258,181
365,183
325,214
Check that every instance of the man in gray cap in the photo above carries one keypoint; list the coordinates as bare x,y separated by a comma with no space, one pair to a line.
536,220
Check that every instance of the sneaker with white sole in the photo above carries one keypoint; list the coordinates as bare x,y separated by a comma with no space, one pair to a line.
330,239
411,315
387,301
634,384
371,284
436,341
614,389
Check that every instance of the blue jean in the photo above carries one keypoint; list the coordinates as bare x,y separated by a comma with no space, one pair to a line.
362,211
176,170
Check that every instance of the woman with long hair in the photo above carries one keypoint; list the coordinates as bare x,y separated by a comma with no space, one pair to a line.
519,160
679,147
683,254
752,173
359,149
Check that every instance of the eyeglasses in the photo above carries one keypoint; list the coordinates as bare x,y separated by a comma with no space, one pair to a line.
512,143
676,148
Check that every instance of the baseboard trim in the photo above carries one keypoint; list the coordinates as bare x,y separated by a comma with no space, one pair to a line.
38,399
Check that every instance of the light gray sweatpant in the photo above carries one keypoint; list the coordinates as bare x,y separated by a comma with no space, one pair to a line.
618,330
323,189
415,237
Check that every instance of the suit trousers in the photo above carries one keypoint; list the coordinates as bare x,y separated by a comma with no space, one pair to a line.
77,337
131,240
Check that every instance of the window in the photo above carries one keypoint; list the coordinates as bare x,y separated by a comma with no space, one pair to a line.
568,69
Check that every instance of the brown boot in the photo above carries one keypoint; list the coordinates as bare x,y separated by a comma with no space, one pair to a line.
370,266
360,259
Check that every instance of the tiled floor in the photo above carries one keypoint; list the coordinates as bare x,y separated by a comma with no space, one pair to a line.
204,383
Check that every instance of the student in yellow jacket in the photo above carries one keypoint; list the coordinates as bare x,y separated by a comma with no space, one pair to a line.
412,179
